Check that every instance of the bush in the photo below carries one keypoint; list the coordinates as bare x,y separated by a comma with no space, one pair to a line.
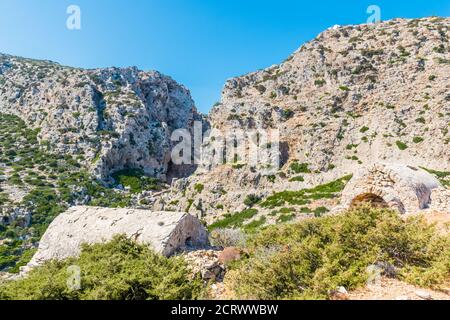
421,120
136,180
303,197
418,139
251,200
235,220
401,145
364,129
199,187
296,167
297,179
118,270
308,259
227,238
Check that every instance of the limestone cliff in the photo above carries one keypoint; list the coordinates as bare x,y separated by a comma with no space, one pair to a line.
352,97
110,118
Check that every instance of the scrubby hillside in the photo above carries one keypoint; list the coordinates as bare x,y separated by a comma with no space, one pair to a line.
80,137
315,259
354,96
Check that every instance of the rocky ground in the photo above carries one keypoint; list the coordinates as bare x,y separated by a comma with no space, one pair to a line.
392,289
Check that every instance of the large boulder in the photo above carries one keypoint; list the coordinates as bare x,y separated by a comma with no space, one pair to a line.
165,232
405,188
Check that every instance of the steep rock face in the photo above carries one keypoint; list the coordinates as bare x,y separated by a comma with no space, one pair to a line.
352,97
165,232
357,88
110,118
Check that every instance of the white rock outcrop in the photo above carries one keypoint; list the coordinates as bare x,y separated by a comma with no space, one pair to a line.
405,188
114,118
165,232
353,96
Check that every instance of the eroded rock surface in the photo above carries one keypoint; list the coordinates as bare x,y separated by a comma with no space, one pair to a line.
112,118
351,97
165,232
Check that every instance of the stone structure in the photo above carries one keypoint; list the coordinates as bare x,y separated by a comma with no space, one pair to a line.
405,188
165,232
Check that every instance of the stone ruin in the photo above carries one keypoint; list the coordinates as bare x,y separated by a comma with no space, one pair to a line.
165,232
405,188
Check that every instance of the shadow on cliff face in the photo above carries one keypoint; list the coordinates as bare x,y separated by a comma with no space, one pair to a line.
179,171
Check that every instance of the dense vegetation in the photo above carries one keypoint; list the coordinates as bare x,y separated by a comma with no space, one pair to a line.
303,197
118,270
306,260
52,183
312,258
136,180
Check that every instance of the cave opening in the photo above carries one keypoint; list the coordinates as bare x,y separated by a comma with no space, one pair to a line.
371,199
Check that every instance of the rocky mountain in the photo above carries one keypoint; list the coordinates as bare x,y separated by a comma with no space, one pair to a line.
81,137
110,119
352,97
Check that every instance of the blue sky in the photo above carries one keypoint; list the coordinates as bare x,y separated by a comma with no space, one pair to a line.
200,43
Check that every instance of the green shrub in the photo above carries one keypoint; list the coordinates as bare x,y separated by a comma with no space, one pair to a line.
303,197
136,180
320,82
287,114
418,139
286,217
227,238
235,220
296,167
364,129
443,176
401,145
251,200
297,179
238,166
318,212
420,120
255,225
308,259
118,270
199,188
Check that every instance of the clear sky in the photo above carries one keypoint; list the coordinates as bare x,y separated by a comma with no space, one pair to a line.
200,43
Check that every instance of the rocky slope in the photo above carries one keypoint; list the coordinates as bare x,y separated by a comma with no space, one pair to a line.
110,119
80,137
354,96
